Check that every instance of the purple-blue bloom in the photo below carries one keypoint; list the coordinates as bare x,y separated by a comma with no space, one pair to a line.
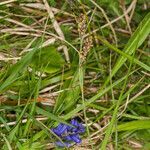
75,138
69,134
74,122
78,127
60,129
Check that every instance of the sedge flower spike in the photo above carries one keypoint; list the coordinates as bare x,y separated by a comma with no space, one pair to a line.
69,134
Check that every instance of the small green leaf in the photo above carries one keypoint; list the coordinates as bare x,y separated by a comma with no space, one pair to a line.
48,60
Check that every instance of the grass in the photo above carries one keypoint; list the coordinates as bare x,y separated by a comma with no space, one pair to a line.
65,59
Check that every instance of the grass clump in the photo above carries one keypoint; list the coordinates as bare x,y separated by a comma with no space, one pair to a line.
84,60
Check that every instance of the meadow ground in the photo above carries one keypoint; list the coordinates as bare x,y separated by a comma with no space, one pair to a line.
74,60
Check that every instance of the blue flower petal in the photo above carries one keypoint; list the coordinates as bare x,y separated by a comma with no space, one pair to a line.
69,128
81,131
60,129
63,129
74,122
68,133
81,128
56,131
75,130
75,138
68,138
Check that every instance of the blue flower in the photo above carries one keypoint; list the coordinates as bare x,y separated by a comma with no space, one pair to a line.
60,129
78,127
69,134
76,138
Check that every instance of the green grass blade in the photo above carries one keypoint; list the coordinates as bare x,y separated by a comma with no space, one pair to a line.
134,125
125,55
91,100
14,71
50,115
7,142
135,41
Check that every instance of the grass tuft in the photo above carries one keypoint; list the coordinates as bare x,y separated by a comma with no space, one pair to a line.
87,60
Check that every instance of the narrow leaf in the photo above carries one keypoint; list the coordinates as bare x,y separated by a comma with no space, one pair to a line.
134,125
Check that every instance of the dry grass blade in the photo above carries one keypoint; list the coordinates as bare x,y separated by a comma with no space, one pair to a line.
23,121
16,22
42,7
56,27
22,33
7,2
115,20
137,95
107,19
126,15
46,43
